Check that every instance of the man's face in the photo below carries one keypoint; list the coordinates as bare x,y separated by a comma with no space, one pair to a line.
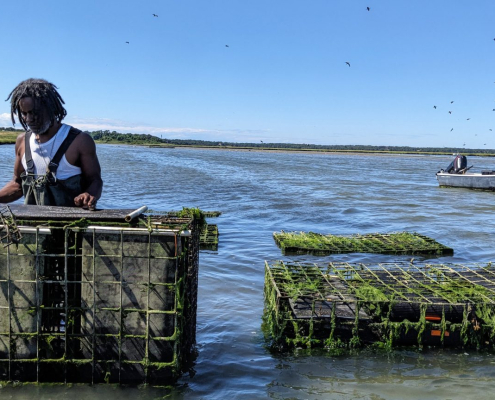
36,119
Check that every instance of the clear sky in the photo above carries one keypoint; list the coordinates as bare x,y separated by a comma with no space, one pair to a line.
263,70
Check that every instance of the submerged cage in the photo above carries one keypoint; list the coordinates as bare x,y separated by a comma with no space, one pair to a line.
344,305
382,243
88,297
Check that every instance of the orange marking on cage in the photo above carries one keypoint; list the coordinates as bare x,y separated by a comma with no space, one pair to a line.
436,332
435,318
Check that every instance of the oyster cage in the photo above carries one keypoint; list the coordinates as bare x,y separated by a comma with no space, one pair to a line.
95,299
390,243
9,233
208,238
345,305
207,214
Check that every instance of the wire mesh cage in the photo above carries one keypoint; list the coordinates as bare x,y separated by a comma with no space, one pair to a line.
342,305
99,301
383,243
208,239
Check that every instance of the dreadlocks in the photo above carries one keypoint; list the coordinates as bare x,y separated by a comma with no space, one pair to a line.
44,95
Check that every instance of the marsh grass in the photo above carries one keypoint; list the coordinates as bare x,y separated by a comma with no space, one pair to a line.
7,137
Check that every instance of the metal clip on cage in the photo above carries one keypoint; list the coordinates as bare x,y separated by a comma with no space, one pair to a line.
9,227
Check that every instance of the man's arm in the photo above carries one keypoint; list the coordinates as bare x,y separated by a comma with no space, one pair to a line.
12,191
91,172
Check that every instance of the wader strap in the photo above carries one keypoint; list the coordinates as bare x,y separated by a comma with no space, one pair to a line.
53,166
27,152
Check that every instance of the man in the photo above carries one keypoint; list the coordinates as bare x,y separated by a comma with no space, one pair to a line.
55,164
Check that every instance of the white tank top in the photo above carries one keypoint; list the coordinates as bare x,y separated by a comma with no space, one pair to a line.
43,153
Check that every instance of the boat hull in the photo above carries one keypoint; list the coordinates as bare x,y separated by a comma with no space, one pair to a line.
470,181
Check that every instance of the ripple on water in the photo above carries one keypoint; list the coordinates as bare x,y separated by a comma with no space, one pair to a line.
259,193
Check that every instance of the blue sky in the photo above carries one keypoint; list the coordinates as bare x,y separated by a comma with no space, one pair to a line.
282,78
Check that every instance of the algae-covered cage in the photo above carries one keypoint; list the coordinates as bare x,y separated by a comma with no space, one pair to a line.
345,305
208,239
382,243
88,297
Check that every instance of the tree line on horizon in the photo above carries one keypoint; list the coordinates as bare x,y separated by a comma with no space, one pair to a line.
136,138
106,136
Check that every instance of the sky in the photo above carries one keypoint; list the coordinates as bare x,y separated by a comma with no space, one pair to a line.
263,70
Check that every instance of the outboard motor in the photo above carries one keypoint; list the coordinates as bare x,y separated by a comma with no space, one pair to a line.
458,165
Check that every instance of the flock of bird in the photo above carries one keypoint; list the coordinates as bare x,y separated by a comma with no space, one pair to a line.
467,119
349,64
435,107
154,15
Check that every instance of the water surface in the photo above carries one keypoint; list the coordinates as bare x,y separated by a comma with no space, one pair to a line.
262,192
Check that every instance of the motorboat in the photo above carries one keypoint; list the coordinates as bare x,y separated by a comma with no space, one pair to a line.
457,175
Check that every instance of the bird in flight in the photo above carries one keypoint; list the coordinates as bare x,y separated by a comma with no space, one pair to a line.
451,101
435,107
369,9
154,15
226,45
452,129
450,112
468,119
348,63
490,129
127,42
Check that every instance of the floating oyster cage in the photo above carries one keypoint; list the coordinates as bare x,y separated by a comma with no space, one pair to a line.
389,243
208,238
207,214
88,297
344,305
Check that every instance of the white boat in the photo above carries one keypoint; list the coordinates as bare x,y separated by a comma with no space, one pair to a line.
471,180
457,175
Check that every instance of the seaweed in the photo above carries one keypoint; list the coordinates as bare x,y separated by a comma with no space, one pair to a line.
390,305
391,243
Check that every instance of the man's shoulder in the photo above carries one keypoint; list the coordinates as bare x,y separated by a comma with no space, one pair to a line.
82,134
20,138
83,139
73,129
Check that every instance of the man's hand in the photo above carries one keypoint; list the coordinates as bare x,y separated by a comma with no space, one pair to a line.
85,200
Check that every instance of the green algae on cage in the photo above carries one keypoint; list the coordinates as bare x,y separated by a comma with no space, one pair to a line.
9,233
344,305
208,214
390,243
208,238
99,301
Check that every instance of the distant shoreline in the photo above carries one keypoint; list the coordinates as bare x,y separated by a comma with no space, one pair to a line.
9,137
315,151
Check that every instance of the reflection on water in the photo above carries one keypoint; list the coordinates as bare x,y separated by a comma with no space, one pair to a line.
259,193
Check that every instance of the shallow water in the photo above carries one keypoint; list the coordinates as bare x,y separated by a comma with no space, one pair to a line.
259,193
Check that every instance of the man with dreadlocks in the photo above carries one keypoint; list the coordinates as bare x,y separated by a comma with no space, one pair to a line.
55,164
